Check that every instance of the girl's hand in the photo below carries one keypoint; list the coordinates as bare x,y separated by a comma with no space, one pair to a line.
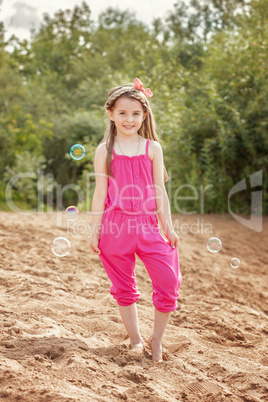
173,238
93,244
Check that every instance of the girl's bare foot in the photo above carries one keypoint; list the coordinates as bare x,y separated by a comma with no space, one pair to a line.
137,347
156,349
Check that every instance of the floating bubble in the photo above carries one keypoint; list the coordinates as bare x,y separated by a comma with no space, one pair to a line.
77,152
72,213
214,245
61,246
235,262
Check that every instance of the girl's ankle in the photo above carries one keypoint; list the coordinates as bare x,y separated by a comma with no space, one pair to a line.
135,341
156,339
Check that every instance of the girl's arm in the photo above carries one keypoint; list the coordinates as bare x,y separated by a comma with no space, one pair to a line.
100,193
161,197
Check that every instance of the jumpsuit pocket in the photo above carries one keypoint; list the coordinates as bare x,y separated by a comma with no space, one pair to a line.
165,240
159,233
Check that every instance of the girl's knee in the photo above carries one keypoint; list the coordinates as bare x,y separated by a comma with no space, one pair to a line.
171,282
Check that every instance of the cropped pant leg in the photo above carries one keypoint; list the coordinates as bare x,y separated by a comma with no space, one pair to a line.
117,246
162,264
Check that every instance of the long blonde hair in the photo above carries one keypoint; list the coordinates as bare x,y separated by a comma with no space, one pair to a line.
147,129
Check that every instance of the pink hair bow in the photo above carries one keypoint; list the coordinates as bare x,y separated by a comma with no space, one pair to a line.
139,85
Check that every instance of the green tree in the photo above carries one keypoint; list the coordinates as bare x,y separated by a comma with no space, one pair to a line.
222,130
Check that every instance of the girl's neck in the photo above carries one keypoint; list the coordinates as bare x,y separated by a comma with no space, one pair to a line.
127,139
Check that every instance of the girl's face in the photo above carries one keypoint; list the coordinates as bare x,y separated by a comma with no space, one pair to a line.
127,115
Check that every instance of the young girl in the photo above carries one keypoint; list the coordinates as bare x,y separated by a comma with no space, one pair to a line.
130,176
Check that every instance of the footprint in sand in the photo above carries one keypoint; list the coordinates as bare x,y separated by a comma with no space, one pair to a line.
44,327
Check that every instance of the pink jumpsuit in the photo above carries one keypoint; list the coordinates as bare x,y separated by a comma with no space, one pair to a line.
129,226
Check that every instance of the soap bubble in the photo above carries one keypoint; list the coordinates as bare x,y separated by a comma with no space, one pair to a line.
77,152
214,245
72,213
235,262
61,246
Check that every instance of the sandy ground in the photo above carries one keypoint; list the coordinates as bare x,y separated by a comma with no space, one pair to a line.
62,338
